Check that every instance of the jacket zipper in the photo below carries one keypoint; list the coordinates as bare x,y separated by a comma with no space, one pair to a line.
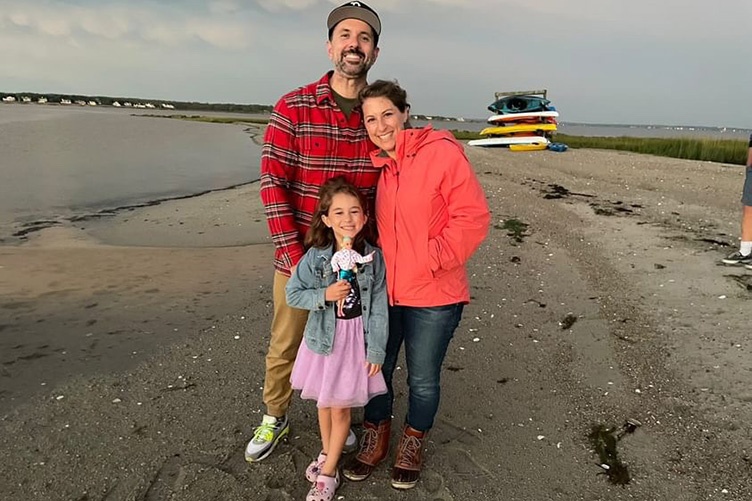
394,232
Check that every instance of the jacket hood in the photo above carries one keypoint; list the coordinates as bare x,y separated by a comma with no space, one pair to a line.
410,141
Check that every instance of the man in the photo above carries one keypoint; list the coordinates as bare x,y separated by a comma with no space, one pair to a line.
315,133
744,255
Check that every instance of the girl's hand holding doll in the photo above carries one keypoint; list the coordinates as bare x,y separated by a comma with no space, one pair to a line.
338,290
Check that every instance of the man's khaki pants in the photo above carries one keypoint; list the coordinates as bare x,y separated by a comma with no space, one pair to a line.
288,325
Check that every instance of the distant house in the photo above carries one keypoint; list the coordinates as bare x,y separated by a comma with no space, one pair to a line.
127,104
42,100
149,105
81,103
25,99
65,101
168,106
9,99
116,104
92,103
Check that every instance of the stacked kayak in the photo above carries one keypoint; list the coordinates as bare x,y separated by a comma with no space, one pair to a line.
520,122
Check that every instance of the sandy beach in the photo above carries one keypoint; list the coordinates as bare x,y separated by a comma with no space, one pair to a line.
132,346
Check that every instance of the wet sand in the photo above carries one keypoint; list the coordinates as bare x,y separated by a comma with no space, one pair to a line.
132,346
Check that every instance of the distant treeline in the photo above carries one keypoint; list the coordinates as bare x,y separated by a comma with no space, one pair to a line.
157,103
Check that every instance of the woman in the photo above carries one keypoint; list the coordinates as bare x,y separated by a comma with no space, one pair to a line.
432,215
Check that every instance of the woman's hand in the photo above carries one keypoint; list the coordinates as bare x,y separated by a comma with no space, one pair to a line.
338,290
373,369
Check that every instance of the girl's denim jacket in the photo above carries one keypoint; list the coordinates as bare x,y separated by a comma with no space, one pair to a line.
306,289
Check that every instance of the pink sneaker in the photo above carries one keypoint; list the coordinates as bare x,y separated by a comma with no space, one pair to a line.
324,488
313,469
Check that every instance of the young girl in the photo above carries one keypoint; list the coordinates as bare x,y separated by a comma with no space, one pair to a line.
339,364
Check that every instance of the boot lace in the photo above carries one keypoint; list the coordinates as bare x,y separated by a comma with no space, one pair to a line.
409,452
368,442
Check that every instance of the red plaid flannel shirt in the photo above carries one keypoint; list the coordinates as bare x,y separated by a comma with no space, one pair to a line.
309,140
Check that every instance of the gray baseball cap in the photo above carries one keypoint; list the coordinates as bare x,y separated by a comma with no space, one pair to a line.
354,10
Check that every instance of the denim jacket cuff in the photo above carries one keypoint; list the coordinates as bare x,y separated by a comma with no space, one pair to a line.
375,357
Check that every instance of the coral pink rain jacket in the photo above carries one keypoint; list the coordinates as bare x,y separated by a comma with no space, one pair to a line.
432,215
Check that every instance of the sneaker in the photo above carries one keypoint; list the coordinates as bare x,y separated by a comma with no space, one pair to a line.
351,444
266,437
738,258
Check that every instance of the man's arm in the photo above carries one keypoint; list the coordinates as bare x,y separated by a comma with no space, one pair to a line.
278,163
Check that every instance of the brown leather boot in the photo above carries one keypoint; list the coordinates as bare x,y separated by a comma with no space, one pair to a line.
374,446
409,459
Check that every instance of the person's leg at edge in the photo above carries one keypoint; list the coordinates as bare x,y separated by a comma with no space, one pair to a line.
747,203
288,325
377,414
744,255
747,223
427,333
745,248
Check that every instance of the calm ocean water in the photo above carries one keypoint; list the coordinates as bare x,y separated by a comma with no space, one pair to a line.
57,162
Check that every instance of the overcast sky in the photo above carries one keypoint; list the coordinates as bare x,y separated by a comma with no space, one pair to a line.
603,61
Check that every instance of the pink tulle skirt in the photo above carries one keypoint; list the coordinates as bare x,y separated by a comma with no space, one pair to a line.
339,379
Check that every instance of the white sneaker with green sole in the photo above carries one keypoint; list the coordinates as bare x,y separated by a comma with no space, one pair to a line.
266,437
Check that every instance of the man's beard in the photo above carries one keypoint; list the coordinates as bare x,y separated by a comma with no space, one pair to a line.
353,71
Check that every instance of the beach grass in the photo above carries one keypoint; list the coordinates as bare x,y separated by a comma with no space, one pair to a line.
465,135
727,151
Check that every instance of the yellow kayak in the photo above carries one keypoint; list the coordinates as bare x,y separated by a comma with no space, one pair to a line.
527,147
515,129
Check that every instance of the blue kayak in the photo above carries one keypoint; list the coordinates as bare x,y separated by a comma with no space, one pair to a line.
519,104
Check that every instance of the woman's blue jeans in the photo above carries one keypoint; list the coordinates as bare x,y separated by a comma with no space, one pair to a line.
426,333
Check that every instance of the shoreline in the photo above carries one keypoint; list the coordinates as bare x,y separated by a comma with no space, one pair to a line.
34,226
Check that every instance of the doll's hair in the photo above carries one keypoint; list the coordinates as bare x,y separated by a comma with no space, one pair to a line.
321,236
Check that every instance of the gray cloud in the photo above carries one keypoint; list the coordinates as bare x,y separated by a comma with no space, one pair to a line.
640,61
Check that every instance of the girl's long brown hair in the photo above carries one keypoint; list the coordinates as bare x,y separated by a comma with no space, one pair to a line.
321,236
